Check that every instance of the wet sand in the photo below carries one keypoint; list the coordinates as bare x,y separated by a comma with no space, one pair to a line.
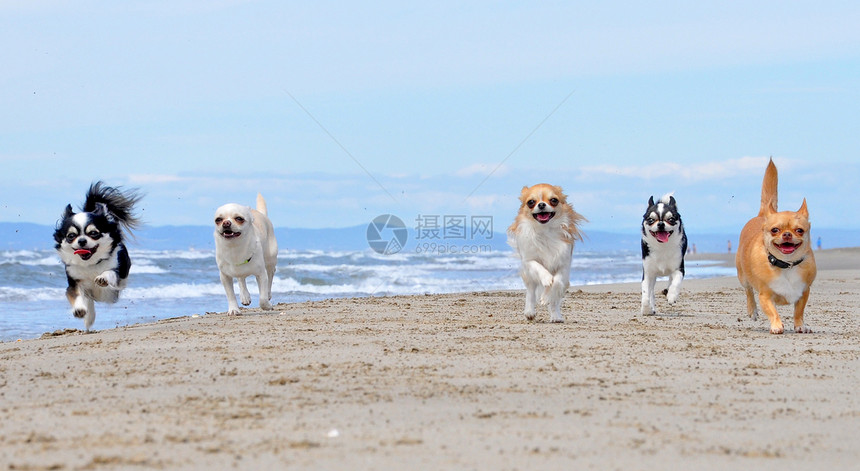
459,381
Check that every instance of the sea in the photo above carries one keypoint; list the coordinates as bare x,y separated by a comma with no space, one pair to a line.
174,283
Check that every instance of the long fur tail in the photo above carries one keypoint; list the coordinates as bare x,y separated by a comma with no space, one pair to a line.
119,203
768,190
261,204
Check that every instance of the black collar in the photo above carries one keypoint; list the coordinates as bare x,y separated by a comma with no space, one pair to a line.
781,264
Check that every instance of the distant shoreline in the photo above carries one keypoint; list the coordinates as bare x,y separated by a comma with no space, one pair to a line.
825,259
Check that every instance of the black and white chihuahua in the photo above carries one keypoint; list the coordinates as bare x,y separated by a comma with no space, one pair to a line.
664,245
90,244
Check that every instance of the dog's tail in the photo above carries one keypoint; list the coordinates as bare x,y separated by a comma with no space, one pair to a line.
261,204
768,190
118,203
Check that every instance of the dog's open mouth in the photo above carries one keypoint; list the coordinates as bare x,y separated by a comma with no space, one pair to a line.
86,254
228,234
544,217
661,236
787,248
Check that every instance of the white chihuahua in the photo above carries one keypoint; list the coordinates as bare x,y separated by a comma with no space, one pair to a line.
245,245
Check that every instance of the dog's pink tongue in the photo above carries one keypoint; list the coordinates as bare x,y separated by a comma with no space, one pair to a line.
543,217
787,248
82,252
662,236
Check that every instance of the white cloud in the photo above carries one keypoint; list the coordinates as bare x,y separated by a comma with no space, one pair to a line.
489,202
153,179
719,170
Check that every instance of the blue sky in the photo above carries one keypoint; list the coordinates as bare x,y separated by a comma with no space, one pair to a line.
340,111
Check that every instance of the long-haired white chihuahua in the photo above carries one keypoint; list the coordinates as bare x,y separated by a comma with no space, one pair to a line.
543,234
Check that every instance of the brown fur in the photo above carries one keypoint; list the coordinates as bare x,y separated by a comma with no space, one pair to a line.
763,235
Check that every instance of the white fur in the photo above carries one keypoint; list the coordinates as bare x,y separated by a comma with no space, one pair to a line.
664,259
545,251
254,252
96,278
789,284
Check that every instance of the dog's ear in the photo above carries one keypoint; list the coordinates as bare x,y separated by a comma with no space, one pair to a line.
68,212
769,207
102,210
524,194
803,210
672,201
651,201
559,192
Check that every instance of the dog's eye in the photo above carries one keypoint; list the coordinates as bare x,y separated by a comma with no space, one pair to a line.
671,221
531,204
94,234
553,202
219,220
650,221
775,230
240,219
70,237
799,231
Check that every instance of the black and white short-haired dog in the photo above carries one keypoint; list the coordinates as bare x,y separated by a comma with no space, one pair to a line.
664,245
90,244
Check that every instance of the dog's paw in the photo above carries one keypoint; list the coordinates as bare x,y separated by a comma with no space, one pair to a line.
108,278
80,313
547,298
265,305
754,314
672,298
546,279
777,328
530,315
232,311
557,319
245,301
802,329
648,309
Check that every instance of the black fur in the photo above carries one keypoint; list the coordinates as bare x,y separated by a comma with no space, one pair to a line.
664,245
111,211
107,214
113,204
672,206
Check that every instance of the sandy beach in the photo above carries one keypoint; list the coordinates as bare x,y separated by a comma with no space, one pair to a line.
459,381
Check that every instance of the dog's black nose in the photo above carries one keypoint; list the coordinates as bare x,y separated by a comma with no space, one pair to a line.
82,242
541,205
227,224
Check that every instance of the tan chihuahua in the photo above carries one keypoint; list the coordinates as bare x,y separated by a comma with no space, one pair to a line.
775,258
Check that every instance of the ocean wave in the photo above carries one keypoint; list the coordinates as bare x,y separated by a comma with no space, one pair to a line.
12,294
146,268
30,257
387,286
320,273
174,291
172,254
